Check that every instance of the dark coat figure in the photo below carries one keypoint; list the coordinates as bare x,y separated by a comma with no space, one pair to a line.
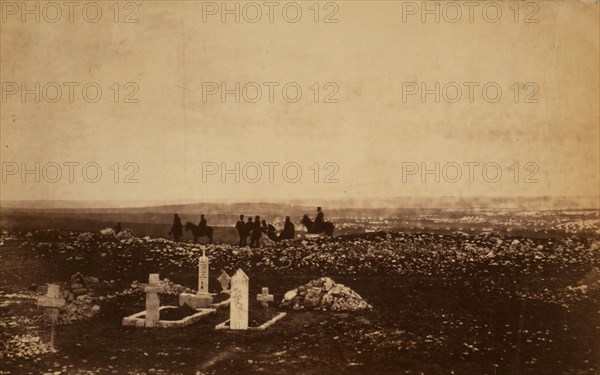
118,228
256,233
319,220
289,231
202,225
248,229
176,229
241,228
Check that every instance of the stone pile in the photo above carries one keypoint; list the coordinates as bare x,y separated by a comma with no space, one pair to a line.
85,237
80,294
24,346
82,308
80,285
324,294
126,234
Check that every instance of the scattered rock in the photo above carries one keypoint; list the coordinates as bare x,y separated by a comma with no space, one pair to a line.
24,346
108,232
85,237
80,291
290,295
125,234
91,282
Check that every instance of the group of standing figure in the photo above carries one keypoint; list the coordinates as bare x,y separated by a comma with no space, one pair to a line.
253,229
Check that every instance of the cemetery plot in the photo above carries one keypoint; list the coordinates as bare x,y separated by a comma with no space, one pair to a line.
241,317
468,303
151,317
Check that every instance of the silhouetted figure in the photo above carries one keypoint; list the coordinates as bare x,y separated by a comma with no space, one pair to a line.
248,229
176,229
202,225
241,228
118,228
256,232
327,227
208,231
319,220
289,231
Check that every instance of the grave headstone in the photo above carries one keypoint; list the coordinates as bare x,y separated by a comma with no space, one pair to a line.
152,300
202,298
203,274
238,313
264,298
224,280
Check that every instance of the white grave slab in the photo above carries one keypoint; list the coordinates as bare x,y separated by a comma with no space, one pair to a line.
238,307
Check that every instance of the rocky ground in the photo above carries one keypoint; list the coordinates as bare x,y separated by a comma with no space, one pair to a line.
419,303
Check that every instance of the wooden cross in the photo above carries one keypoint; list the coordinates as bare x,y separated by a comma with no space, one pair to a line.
51,303
264,298
152,300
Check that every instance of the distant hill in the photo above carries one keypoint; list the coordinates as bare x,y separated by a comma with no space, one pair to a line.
540,203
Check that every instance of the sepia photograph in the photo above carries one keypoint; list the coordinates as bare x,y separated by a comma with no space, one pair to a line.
305,187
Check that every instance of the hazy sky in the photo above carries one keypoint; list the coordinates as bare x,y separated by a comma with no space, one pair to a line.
375,53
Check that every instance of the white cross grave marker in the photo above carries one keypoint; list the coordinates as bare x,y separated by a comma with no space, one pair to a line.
152,300
264,298
51,303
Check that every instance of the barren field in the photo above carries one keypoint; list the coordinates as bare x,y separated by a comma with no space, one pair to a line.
454,302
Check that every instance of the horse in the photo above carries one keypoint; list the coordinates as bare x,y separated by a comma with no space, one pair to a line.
208,232
272,235
326,228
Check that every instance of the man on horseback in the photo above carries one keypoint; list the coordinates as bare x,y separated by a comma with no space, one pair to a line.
202,225
200,230
319,225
